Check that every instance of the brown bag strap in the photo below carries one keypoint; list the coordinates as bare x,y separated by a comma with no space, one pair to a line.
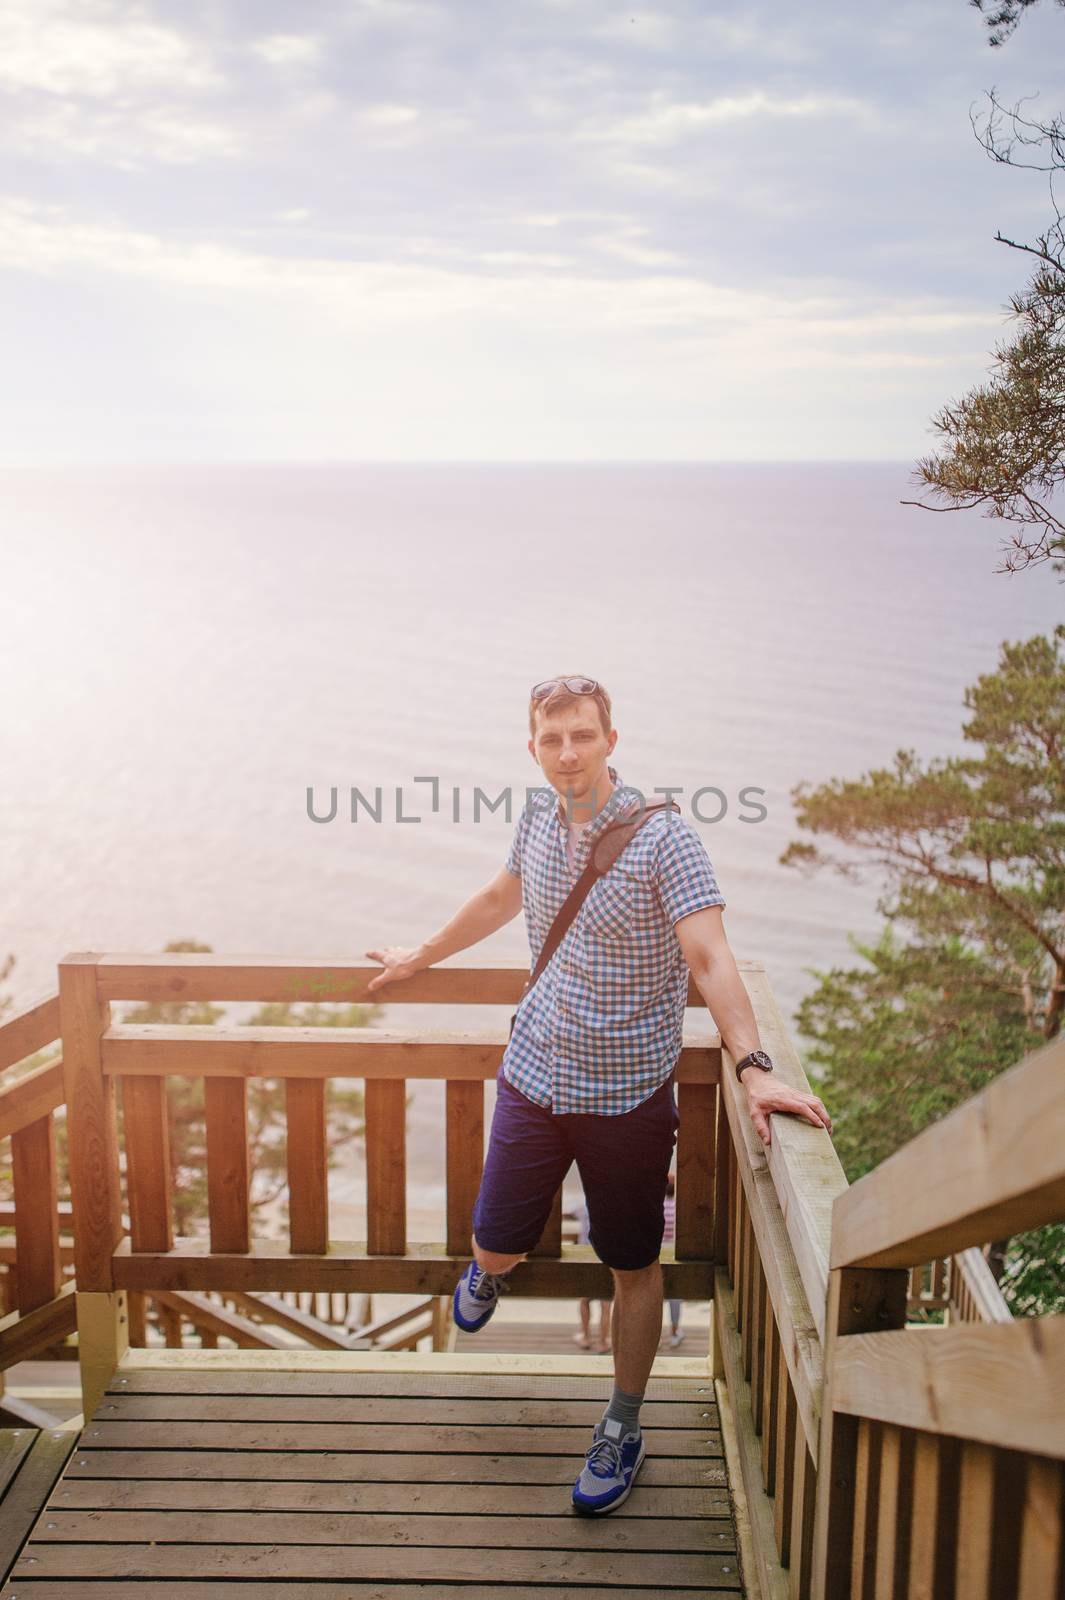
605,851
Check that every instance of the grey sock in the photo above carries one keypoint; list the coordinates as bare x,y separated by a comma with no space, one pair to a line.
625,1409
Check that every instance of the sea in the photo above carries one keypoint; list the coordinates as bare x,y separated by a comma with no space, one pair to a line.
193,659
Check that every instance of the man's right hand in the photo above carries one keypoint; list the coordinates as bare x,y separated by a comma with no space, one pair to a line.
397,963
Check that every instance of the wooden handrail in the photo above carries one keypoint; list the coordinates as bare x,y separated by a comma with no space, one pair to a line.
32,1028
992,1168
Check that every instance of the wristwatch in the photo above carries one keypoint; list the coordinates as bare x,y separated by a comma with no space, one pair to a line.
757,1058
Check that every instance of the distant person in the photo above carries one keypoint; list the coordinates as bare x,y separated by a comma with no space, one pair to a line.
583,1338
669,1209
587,1074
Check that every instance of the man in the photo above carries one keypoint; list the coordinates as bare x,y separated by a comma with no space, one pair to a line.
587,1074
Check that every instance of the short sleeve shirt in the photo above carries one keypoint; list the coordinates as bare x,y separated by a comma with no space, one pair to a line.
602,1029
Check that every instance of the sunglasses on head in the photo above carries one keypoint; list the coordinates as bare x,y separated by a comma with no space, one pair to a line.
540,691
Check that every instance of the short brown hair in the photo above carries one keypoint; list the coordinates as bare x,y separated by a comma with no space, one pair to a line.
561,698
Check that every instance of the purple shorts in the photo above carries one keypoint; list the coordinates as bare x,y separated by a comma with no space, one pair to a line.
623,1162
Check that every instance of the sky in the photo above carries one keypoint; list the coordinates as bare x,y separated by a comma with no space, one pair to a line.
405,230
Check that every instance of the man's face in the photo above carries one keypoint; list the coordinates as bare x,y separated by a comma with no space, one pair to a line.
571,746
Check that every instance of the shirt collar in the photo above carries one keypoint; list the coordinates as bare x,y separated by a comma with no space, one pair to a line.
619,801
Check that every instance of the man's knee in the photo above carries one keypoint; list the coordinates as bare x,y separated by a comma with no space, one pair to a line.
637,1279
494,1261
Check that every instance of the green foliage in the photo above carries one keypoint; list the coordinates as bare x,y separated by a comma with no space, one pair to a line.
1002,447
968,974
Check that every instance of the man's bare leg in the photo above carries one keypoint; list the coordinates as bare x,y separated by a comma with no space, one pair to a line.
636,1326
491,1261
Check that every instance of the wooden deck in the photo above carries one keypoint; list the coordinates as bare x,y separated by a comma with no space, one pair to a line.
390,1483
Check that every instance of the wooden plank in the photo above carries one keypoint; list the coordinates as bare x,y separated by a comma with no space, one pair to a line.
191,1589
352,1469
927,1517
696,1140
460,1439
796,1324
373,1053
722,1182
803,1516
549,1244
24,1336
146,1134
455,1377
784,1480
887,1527
770,1389
38,1270
308,1187
801,1159
172,976
999,1164
401,1411
352,1528
758,1348
435,1499
424,1270
1042,1565
770,1575
971,1275
649,1569
31,1097
386,1167
33,1027
857,1301
996,1383
464,1117
866,1503
279,1314
92,1138
228,1174
205,1314
29,1490
976,1519
14,1443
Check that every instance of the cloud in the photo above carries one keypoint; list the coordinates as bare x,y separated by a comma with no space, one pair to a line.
123,137
97,48
668,121
288,49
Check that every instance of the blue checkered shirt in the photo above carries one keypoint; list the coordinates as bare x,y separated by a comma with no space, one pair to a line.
602,1028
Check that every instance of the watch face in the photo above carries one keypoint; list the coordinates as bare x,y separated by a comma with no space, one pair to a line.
760,1059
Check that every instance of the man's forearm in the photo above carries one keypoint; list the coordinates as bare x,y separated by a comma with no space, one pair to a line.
722,988
483,914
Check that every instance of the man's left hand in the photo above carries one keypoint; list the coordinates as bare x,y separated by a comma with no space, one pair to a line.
766,1093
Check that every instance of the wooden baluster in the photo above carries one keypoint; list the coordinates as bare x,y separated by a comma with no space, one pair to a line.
758,1342
147,1140
866,1502
464,1117
894,1512
976,1519
38,1272
138,1324
925,1519
228,1174
723,1162
95,1186
803,1505
386,1166
770,1388
696,1137
784,1478
1042,1554
550,1241
306,1155
750,1295
860,1300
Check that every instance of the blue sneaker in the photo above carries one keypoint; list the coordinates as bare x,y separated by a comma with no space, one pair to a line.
476,1297
609,1470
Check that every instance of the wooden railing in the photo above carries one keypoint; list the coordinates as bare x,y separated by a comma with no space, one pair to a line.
879,1459
98,1056
39,1300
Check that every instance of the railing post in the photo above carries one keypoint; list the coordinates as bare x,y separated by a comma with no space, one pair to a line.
96,1201
859,1301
